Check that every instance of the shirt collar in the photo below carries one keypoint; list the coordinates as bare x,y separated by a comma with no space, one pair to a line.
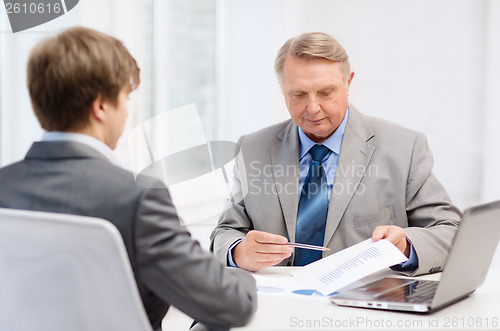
83,139
333,142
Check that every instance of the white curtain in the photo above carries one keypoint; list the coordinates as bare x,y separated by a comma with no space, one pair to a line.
127,20
430,65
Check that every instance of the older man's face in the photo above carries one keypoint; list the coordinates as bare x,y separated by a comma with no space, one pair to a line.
316,94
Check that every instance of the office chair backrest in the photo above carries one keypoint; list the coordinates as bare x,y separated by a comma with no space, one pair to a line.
65,272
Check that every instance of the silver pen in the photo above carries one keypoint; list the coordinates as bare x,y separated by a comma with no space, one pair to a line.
306,246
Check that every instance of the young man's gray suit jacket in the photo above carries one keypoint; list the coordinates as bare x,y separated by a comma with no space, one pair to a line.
170,268
384,177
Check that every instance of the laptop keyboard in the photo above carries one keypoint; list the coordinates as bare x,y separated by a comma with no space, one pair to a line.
420,291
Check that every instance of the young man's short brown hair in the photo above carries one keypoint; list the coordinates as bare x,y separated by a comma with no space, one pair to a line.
67,72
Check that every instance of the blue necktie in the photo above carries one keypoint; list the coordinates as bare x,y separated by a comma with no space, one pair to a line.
313,208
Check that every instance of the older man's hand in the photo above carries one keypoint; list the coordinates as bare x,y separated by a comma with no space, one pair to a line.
261,249
395,235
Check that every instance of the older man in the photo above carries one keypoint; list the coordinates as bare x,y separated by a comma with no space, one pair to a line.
331,176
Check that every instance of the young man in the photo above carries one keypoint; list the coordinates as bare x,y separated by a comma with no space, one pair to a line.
79,82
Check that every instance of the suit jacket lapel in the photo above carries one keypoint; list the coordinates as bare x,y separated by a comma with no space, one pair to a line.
285,161
355,155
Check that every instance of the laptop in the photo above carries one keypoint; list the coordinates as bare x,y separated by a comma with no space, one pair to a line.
465,270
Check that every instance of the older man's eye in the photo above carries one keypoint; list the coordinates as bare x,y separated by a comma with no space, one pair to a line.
299,95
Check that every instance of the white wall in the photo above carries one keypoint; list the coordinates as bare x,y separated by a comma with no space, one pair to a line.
428,65
124,19
490,179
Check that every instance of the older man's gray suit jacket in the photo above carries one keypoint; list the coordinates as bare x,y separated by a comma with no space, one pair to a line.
384,177
170,268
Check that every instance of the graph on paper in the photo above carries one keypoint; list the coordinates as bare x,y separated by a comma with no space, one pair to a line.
349,265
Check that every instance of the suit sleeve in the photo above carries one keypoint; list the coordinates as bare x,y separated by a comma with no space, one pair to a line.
234,222
181,273
432,217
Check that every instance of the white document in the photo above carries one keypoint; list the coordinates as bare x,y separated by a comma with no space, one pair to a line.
351,264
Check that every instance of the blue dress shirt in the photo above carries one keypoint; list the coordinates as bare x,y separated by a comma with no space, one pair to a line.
331,159
329,163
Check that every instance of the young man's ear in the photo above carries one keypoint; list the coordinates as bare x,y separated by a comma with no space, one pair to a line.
98,109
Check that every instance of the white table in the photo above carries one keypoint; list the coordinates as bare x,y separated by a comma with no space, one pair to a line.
283,311
288,311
